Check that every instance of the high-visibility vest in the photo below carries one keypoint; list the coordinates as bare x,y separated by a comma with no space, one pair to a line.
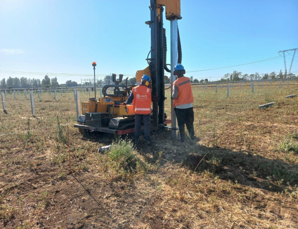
142,99
185,95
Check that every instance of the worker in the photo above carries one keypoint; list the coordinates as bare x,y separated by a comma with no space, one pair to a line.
183,102
141,98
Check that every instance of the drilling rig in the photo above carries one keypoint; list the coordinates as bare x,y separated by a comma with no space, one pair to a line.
108,114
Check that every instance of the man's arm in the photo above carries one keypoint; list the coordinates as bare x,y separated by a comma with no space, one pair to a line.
130,99
175,92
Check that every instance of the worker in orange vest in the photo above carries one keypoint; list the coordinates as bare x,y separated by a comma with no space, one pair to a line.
141,98
183,102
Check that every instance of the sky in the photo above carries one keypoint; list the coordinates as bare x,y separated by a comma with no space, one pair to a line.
61,38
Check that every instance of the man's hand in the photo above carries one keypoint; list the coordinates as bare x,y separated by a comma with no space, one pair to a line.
124,103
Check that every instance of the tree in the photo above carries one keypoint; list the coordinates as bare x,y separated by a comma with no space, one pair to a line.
54,82
206,80
257,76
46,82
246,77
266,76
24,82
236,76
280,75
16,82
272,75
226,76
70,83
196,81
3,83
291,76
9,82
252,76
35,85
201,81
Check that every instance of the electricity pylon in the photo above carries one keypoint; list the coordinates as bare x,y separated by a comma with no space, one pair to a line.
288,51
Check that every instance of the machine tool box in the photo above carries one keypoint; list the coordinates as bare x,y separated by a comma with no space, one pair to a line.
97,119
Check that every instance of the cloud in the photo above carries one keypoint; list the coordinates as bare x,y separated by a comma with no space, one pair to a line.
12,51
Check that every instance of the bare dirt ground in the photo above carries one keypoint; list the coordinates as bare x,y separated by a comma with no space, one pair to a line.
240,172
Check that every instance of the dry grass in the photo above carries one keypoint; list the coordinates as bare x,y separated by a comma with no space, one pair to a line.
242,173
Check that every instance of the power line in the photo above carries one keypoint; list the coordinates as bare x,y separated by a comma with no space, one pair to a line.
57,74
132,75
254,62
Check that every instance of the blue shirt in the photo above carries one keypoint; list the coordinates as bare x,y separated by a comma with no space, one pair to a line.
130,98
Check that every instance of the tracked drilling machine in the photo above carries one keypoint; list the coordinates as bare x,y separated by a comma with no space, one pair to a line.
108,114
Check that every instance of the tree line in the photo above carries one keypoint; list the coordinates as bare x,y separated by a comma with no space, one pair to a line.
23,82
238,76
46,82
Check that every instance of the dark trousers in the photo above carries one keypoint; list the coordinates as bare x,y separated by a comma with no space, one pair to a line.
138,125
185,116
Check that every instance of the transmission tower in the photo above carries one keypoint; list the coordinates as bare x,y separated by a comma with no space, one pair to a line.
288,52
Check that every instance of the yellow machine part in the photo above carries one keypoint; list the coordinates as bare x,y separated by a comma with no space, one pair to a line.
102,106
140,73
173,8
122,110
90,106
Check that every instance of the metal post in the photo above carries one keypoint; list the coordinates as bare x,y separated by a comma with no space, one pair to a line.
38,94
292,61
228,90
55,93
216,88
5,94
252,87
14,94
32,103
3,102
174,59
100,92
25,94
94,81
78,105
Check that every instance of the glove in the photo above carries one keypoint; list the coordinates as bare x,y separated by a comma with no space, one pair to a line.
124,103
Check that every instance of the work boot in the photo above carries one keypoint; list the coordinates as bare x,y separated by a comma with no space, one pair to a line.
181,134
136,141
147,143
191,133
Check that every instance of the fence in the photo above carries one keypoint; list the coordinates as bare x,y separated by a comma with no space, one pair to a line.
54,94
76,91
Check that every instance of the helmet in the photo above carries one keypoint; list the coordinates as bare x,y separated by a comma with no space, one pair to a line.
146,77
179,67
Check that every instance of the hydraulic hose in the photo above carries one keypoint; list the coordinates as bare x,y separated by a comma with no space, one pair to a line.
179,48
165,50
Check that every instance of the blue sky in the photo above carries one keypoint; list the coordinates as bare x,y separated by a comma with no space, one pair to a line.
62,38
